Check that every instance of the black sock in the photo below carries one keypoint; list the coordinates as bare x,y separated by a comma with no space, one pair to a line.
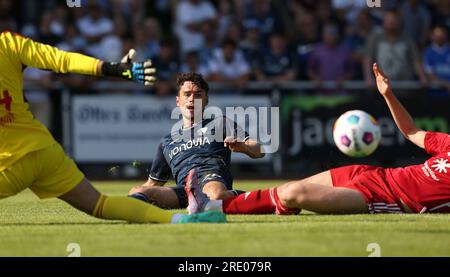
140,196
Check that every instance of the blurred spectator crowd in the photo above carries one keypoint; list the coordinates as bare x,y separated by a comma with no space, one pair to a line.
235,41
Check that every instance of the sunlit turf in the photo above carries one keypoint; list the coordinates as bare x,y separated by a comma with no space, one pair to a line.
30,227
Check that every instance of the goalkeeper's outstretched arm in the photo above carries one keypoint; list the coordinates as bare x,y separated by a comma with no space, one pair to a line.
141,72
35,54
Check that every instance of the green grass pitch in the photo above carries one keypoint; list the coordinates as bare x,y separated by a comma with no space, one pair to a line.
29,227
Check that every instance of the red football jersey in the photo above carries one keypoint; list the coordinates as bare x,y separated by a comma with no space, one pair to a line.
426,187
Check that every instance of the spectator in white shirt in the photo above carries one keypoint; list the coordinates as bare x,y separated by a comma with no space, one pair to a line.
94,27
190,15
229,65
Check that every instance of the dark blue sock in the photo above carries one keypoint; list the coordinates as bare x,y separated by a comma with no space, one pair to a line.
140,196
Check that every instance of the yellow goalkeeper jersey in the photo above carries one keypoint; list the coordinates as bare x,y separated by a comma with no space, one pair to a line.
20,133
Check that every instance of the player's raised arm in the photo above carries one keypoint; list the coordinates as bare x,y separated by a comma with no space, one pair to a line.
35,54
401,116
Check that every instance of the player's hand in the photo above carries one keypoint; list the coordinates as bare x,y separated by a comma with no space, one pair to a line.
382,81
234,145
140,72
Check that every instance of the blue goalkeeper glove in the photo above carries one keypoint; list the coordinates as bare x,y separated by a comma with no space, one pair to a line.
140,72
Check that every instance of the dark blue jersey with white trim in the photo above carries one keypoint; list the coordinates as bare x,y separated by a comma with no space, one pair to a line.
200,147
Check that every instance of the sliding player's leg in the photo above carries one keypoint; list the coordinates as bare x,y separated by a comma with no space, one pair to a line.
321,198
163,197
316,193
216,185
268,201
17,177
344,190
203,191
87,199
59,177
212,184
216,190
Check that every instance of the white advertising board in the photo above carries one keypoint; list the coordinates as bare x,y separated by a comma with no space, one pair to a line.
124,128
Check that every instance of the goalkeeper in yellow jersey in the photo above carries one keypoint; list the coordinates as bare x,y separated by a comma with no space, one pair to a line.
31,158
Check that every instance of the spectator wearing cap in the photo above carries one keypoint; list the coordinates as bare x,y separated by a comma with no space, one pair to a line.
332,60
437,62
277,63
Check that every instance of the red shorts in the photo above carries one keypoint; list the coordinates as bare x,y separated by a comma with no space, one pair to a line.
371,182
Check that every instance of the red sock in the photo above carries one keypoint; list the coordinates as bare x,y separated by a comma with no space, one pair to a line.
256,202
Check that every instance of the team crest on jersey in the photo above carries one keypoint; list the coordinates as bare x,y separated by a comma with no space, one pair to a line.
441,165
206,130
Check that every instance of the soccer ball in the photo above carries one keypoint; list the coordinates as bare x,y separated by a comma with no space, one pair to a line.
356,133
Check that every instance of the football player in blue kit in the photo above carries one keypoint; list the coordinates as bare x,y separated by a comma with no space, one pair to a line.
199,151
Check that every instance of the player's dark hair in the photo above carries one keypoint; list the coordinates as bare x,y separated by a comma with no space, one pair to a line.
193,77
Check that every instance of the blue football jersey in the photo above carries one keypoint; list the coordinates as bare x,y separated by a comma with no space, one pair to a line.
200,147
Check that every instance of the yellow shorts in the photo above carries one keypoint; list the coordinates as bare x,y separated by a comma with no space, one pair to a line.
47,172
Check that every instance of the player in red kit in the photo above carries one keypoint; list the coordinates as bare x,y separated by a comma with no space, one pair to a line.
359,188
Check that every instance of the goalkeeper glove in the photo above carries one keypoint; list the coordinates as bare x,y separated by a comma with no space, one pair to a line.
140,72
